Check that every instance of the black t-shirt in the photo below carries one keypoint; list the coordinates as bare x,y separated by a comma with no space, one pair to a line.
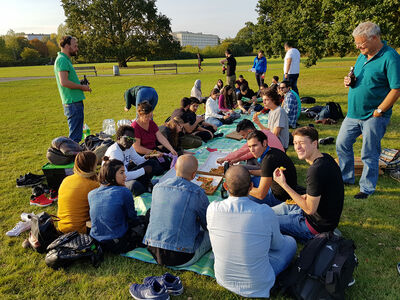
276,158
249,94
230,66
325,179
179,112
189,117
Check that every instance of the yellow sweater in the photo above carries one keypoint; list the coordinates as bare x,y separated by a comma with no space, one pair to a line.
73,205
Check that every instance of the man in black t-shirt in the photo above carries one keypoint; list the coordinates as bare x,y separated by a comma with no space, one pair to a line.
265,189
320,208
230,68
249,94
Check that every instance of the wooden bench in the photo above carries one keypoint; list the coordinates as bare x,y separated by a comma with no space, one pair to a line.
86,69
165,67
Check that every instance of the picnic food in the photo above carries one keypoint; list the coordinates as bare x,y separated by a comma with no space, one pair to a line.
217,171
153,153
206,184
282,168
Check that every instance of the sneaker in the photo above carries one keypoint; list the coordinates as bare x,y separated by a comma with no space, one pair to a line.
218,135
53,195
37,190
19,228
395,175
27,216
361,195
41,201
29,179
172,283
326,141
352,282
150,290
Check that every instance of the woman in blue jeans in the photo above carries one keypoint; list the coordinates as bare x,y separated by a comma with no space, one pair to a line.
115,223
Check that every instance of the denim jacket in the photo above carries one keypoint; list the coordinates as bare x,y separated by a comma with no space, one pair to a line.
178,209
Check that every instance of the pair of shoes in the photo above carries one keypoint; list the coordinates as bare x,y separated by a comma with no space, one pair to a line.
29,179
326,141
361,195
395,175
19,228
27,216
218,135
157,287
40,200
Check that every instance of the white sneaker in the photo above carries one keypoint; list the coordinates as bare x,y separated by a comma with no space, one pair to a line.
27,216
19,228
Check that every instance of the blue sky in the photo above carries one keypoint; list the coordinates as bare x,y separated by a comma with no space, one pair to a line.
207,16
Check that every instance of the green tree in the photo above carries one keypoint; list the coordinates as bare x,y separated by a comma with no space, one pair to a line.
40,47
322,27
30,55
121,29
16,42
52,49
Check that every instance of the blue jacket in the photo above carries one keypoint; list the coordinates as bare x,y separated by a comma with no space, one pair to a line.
178,209
110,209
260,65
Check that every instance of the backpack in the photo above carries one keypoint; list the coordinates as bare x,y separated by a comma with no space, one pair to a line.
323,269
335,111
43,231
71,247
62,151
307,100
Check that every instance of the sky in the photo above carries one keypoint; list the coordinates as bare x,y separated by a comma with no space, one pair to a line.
221,17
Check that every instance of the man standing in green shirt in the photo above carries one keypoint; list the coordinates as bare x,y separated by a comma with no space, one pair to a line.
374,89
71,91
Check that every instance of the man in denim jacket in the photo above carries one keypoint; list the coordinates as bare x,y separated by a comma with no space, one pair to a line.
177,233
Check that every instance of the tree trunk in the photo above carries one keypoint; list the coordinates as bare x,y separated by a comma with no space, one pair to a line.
122,64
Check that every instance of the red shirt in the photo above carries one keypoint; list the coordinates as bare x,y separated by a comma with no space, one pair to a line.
147,137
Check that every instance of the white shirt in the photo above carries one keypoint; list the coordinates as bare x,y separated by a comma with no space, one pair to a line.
294,54
115,152
212,109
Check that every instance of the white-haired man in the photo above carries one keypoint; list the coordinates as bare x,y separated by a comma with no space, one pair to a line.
372,94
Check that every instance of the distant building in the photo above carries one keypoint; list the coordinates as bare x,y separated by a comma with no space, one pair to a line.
39,36
200,40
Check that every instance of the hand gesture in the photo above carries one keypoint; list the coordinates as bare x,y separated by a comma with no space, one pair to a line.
221,160
279,177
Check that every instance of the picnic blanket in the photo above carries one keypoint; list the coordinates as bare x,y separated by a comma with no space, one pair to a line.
205,265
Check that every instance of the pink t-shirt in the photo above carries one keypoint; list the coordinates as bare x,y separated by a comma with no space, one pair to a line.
244,153
221,103
147,137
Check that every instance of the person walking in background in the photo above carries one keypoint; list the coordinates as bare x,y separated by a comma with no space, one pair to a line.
230,68
373,91
199,61
70,88
260,67
291,67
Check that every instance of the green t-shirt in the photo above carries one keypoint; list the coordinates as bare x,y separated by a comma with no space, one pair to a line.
68,96
375,78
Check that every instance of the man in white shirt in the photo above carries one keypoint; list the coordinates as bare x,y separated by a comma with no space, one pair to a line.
138,170
248,247
213,115
291,67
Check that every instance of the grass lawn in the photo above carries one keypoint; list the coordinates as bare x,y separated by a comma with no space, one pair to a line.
32,115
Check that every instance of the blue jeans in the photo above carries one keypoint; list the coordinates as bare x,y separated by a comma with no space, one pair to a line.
293,82
214,121
372,130
74,114
292,221
146,94
270,199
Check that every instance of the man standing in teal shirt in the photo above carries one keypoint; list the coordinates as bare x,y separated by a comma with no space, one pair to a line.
71,91
373,92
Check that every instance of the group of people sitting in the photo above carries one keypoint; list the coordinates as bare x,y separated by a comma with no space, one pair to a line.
252,233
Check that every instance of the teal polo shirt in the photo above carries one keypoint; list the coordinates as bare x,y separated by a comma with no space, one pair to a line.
375,78
68,96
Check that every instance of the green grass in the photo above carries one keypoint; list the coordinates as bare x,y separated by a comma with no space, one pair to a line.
31,116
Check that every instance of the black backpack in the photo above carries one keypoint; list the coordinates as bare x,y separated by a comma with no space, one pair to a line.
335,111
323,269
71,247
43,232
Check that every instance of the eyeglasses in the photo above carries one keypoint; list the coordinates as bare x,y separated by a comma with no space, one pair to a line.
129,138
362,45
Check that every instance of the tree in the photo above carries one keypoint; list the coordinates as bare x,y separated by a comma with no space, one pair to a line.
29,54
40,47
322,27
52,49
121,29
16,42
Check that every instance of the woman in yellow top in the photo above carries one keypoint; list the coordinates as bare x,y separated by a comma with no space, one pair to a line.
73,205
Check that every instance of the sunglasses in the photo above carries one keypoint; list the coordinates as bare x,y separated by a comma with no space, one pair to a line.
129,138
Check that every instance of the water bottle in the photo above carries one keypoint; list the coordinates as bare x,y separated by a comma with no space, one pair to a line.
85,131
109,126
251,109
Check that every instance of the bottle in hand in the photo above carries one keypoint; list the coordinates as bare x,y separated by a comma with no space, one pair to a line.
352,77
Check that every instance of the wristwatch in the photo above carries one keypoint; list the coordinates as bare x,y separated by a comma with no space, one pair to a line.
379,110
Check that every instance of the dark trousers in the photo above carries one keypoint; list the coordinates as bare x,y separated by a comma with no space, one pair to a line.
293,82
140,185
259,79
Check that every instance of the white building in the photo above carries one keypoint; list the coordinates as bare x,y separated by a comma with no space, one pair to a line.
200,40
39,36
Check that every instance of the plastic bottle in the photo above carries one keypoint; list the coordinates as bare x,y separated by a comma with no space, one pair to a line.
251,109
85,131
109,126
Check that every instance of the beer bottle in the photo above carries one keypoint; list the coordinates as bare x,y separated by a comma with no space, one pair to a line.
352,77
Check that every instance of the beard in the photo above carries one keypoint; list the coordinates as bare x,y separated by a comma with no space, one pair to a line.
74,53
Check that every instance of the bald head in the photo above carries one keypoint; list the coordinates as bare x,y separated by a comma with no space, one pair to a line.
186,166
238,181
